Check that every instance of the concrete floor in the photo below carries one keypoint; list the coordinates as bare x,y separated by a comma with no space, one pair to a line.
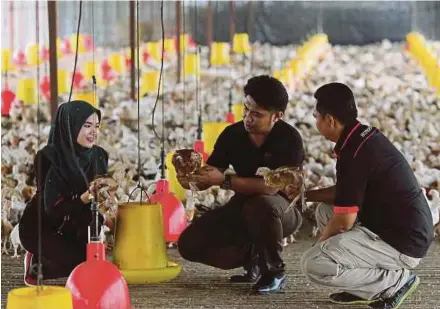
199,286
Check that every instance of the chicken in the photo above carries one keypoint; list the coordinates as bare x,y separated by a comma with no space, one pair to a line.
6,231
15,241
186,161
285,176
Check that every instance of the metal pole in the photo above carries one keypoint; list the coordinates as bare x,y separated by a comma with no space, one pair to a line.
208,25
132,50
179,31
11,24
53,62
231,21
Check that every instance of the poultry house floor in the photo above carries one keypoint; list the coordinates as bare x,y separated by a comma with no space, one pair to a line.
200,286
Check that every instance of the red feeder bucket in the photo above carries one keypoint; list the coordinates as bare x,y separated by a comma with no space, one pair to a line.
230,118
7,98
97,283
45,87
19,59
173,211
199,146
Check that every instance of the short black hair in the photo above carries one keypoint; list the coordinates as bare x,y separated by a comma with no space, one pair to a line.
268,92
336,99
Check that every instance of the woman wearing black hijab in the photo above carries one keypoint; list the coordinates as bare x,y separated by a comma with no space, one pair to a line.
63,168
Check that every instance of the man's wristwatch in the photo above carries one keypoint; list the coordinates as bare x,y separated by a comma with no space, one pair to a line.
227,183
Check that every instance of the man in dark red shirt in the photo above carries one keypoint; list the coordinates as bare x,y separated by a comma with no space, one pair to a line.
375,223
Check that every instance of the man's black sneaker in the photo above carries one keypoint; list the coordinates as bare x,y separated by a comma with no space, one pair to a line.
399,297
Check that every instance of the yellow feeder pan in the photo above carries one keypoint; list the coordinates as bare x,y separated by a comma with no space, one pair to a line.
211,131
149,82
140,249
32,55
237,110
62,82
154,49
26,91
7,60
297,68
49,297
117,62
86,97
219,53
170,46
240,43
81,45
191,65
171,176
101,82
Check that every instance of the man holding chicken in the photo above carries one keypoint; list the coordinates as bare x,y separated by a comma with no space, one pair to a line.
248,231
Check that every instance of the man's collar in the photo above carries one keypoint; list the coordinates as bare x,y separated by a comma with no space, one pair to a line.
345,136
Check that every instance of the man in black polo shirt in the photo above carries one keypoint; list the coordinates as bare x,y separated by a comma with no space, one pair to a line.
375,223
248,231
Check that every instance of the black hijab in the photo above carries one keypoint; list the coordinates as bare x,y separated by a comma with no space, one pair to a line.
72,166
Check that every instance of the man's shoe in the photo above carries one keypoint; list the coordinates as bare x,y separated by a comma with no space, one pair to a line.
29,279
399,297
345,298
269,284
250,276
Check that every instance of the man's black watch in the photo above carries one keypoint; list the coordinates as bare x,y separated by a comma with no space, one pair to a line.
227,183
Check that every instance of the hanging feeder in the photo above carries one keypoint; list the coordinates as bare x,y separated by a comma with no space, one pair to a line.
174,219
191,65
170,46
211,131
149,82
62,82
154,49
8,98
97,283
47,297
19,59
81,46
117,62
66,49
171,176
219,54
33,57
241,43
140,253
26,91
7,61
78,80
45,87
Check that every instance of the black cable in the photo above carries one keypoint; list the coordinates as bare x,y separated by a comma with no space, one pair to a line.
76,50
138,97
40,245
161,70
183,69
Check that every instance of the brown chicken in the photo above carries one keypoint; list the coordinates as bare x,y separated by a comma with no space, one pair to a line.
186,161
286,176
282,177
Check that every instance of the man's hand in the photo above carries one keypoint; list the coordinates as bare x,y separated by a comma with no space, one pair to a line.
208,176
291,191
184,181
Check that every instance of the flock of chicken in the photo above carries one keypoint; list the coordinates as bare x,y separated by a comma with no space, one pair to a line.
391,92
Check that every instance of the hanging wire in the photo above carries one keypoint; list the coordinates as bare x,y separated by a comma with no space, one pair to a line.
160,74
183,69
76,50
198,103
319,21
39,265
